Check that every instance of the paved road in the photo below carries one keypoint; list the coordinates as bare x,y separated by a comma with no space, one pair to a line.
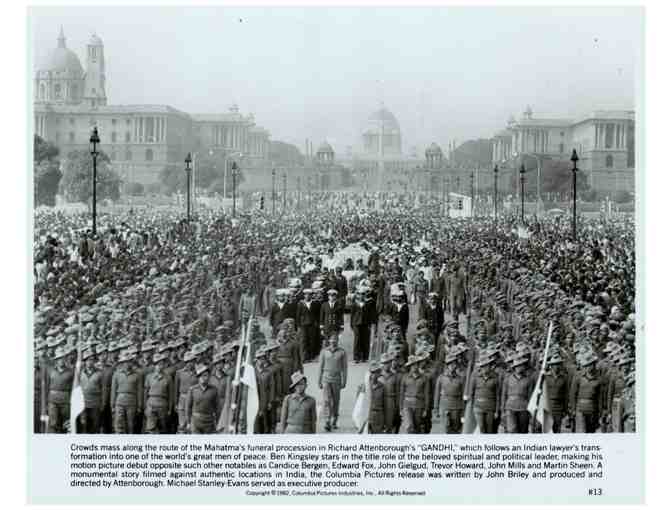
356,374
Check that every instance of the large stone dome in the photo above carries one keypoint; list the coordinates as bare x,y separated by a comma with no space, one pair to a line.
382,124
387,118
62,60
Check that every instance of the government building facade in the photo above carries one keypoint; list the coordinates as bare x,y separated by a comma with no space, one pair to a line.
69,100
604,141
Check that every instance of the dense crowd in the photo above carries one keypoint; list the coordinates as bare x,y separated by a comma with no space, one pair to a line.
147,316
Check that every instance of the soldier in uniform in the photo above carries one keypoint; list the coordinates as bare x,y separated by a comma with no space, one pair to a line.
266,390
159,396
332,378
391,380
201,404
276,370
58,387
432,312
184,380
449,396
91,381
376,416
331,314
414,397
110,367
629,420
556,385
299,411
219,380
361,318
126,394
585,396
280,310
398,310
308,321
484,392
516,393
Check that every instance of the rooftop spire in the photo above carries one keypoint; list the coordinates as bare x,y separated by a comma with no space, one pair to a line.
61,38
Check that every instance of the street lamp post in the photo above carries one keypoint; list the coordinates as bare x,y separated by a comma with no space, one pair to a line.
574,158
187,169
284,191
496,171
94,141
273,190
234,172
522,193
472,194
298,192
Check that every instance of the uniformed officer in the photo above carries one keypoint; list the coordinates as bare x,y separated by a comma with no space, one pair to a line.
299,411
516,393
58,388
629,398
484,392
449,396
376,417
201,404
159,397
414,396
184,380
126,394
266,391
276,370
391,380
556,385
91,381
585,395
107,424
331,314
332,378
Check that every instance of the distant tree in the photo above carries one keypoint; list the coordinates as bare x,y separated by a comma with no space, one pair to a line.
623,197
134,188
556,177
172,179
77,182
46,172
285,154
474,153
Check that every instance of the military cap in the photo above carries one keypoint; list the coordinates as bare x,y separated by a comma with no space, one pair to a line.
625,360
188,356
159,356
218,356
147,346
87,353
520,360
450,358
411,360
386,357
588,359
555,359
55,341
201,369
297,377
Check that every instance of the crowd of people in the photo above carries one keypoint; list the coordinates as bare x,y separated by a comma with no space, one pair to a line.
462,324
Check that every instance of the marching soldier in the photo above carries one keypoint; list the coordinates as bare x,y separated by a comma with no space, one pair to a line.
449,396
629,417
414,396
184,380
432,312
58,388
201,404
307,318
266,389
516,393
585,396
276,370
332,378
91,381
159,397
556,385
484,392
299,411
376,416
391,380
126,394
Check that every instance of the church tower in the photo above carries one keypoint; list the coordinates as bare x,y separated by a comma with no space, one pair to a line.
94,85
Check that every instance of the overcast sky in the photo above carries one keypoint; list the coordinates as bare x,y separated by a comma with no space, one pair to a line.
446,73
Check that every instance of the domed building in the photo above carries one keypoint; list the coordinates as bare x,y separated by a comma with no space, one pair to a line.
140,139
60,77
382,125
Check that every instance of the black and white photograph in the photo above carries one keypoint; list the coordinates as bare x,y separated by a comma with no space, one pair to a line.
335,220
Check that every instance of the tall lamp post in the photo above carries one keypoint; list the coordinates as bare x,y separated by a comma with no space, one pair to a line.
496,171
472,193
234,174
522,193
284,191
298,192
574,158
273,190
94,141
187,169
